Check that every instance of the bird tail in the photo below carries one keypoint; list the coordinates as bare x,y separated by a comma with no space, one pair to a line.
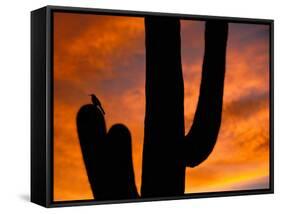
101,109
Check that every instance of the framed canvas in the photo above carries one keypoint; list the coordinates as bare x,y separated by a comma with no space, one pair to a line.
134,106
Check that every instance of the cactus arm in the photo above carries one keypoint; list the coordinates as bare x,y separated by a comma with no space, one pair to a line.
119,145
91,130
201,139
107,156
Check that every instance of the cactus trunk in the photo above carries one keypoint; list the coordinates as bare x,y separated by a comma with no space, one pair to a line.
163,171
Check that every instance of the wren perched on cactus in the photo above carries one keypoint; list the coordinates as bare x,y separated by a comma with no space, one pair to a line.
96,102
167,151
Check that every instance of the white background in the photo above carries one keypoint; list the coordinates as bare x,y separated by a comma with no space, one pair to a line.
15,106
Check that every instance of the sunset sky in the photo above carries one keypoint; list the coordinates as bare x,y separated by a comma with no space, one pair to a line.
105,55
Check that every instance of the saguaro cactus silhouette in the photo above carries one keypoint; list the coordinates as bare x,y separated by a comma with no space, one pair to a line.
167,151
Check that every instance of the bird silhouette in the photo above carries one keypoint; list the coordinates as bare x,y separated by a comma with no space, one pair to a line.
96,102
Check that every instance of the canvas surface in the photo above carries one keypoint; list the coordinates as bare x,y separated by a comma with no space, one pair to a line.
106,56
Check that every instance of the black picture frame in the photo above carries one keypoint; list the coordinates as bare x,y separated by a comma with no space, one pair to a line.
42,104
